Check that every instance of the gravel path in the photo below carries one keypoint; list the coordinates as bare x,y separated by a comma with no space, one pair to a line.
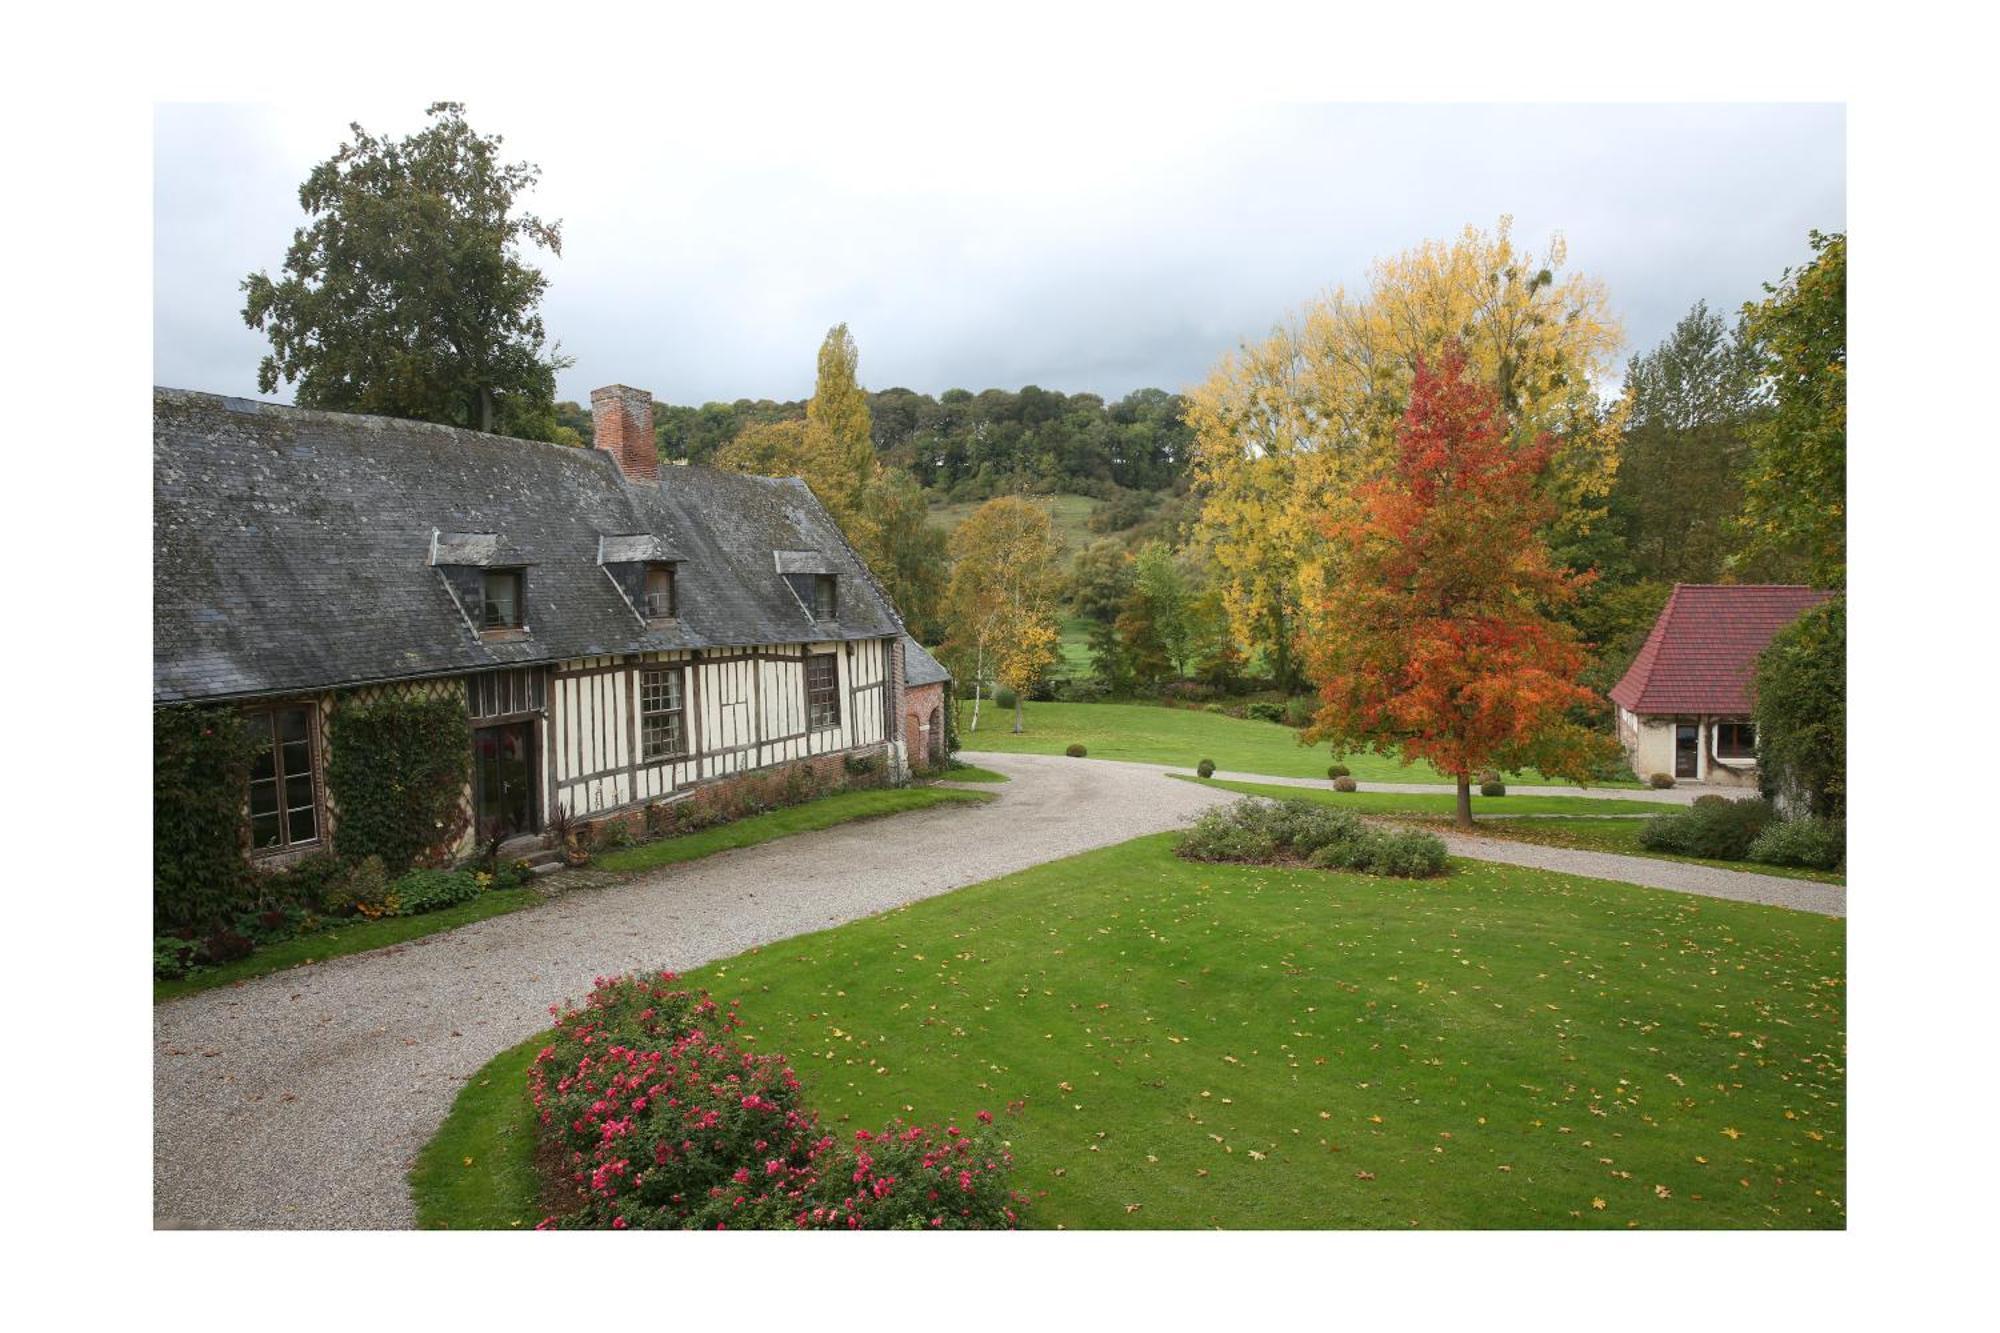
1683,794
299,1099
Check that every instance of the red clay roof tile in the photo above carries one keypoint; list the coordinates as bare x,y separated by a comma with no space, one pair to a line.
1703,649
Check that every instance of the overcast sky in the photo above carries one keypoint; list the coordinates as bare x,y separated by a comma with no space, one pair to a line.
705,258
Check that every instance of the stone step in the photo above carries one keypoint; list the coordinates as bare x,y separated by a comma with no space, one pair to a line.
540,868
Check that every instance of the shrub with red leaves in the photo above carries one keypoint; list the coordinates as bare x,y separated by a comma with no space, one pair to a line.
664,1122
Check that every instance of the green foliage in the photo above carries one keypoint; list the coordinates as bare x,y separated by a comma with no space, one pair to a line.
1206,768
1801,711
1338,770
1262,832
201,771
1005,697
906,552
1075,750
1795,490
1660,781
363,889
172,956
406,294
1818,844
1345,783
1264,710
423,891
1716,828
1493,787
396,769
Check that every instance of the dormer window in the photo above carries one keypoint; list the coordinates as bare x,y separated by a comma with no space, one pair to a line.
500,598
814,580
825,599
659,601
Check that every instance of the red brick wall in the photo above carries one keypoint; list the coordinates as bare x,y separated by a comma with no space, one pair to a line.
923,743
621,424
829,772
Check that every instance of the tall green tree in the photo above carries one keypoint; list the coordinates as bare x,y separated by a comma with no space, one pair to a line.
1691,405
1801,711
407,293
838,414
1795,491
908,553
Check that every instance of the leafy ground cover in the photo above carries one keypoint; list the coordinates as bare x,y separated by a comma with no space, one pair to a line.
1586,823
840,808
1189,1045
361,936
1154,734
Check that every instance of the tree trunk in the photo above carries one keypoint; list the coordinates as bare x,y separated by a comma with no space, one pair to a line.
1465,800
978,683
1020,697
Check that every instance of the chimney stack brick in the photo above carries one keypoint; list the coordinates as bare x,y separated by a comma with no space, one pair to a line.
622,426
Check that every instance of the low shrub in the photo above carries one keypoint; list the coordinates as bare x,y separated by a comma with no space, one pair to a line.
1216,709
661,1120
1715,828
172,956
1818,844
1337,770
1264,832
1005,698
363,889
307,884
423,891
1186,692
1661,781
1263,710
1299,712
1345,783
856,766
1493,787
1076,750
1206,768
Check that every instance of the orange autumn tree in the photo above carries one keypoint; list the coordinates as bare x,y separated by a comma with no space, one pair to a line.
1439,643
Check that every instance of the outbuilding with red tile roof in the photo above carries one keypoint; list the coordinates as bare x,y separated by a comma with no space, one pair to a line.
1684,706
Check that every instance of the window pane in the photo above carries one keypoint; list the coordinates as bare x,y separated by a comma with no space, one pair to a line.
503,600
263,799
264,830
659,591
298,791
304,824
823,607
263,763
291,724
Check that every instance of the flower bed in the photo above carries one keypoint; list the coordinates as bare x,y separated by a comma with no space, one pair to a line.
657,1119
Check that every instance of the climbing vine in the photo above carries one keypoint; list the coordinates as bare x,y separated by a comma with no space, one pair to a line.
396,770
201,770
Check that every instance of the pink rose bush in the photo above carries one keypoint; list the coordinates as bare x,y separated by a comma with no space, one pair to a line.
662,1121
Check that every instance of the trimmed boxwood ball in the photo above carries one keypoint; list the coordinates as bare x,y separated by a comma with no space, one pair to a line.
1344,783
1337,770
1661,781
1493,787
1005,698
1206,768
1076,750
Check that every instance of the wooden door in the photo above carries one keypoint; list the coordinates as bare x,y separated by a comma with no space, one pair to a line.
503,780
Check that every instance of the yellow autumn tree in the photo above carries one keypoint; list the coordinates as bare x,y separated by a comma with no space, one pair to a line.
1287,427
1006,576
838,417
786,449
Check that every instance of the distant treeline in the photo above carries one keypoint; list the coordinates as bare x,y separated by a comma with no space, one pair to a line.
971,446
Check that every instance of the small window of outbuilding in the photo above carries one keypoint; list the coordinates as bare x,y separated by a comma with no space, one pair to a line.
1735,740
826,603
500,596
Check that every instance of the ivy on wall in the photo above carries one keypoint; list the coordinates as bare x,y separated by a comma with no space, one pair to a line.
201,769
396,770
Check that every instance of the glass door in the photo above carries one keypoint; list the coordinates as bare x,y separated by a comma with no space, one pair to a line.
503,779
1687,750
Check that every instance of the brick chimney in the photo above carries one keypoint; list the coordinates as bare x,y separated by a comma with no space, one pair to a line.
622,426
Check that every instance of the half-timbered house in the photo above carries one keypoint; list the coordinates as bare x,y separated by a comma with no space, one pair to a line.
621,632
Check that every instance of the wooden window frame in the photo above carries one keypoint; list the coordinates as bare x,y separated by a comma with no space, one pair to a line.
487,625
652,611
656,720
830,693
1738,729
267,715
830,585
510,694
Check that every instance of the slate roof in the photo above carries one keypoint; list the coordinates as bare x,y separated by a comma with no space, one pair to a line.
1702,653
291,550
919,667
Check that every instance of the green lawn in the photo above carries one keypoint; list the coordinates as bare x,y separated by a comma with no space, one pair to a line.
971,773
1484,808
1177,1045
1068,515
840,808
1589,823
356,936
361,936
479,1172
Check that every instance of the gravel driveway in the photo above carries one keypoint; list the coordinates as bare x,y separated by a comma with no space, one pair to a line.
299,1099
